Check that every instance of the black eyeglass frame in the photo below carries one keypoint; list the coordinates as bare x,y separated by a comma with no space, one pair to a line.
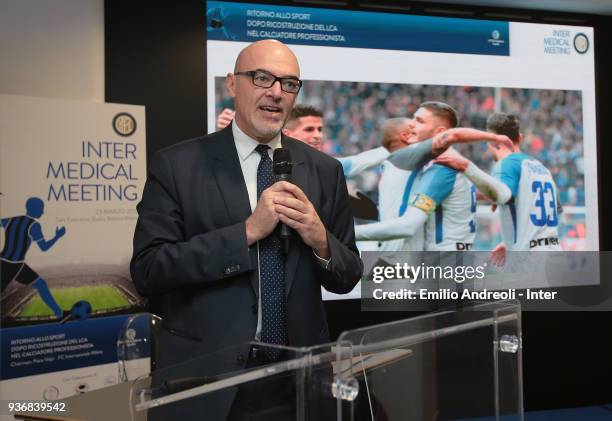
252,74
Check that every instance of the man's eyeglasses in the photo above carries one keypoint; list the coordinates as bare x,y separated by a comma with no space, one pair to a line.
265,79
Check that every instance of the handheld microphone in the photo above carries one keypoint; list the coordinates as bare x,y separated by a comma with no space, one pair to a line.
282,167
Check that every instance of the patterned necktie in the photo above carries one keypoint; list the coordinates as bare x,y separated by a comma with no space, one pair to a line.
271,269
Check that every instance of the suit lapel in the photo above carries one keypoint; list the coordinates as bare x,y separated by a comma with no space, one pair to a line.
231,183
299,177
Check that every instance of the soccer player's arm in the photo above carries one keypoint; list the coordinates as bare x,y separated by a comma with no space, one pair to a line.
508,172
403,227
36,235
435,185
5,222
442,141
415,155
355,164
492,187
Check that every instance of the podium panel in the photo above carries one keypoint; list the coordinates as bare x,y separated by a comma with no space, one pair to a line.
454,365
450,365
272,383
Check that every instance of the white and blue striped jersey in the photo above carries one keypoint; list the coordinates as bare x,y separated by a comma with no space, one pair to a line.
530,220
449,199
21,231
395,230
394,192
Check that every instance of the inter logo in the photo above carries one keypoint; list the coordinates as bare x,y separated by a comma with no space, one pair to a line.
581,43
124,124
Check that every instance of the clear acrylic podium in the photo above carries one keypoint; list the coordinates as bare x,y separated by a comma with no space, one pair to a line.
452,365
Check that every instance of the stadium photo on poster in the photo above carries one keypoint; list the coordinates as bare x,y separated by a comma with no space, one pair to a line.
360,118
80,291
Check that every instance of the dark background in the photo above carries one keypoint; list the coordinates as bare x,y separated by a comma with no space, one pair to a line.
155,55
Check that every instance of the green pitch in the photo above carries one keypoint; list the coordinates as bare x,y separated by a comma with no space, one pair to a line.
101,297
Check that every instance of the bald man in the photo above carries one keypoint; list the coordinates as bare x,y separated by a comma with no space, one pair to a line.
206,249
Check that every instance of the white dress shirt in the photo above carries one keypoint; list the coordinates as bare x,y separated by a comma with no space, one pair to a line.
249,161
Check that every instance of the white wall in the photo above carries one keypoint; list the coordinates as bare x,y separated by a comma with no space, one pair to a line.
52,48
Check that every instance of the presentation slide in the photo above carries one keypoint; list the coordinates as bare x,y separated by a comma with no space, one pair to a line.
362,68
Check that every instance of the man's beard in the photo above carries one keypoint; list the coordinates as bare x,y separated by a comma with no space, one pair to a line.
269,131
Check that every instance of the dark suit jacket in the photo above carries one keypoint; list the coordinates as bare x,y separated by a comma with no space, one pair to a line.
191,256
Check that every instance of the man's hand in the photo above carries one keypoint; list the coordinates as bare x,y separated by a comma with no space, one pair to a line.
264,218
444,140
298,213
225,118
484,198
498,255
453,159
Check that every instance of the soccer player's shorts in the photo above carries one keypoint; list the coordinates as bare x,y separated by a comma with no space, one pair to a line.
18,271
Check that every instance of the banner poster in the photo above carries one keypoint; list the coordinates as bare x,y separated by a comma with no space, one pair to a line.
71,174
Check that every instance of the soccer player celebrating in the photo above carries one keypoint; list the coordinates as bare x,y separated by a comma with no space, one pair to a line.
523,188
442,199
306,124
